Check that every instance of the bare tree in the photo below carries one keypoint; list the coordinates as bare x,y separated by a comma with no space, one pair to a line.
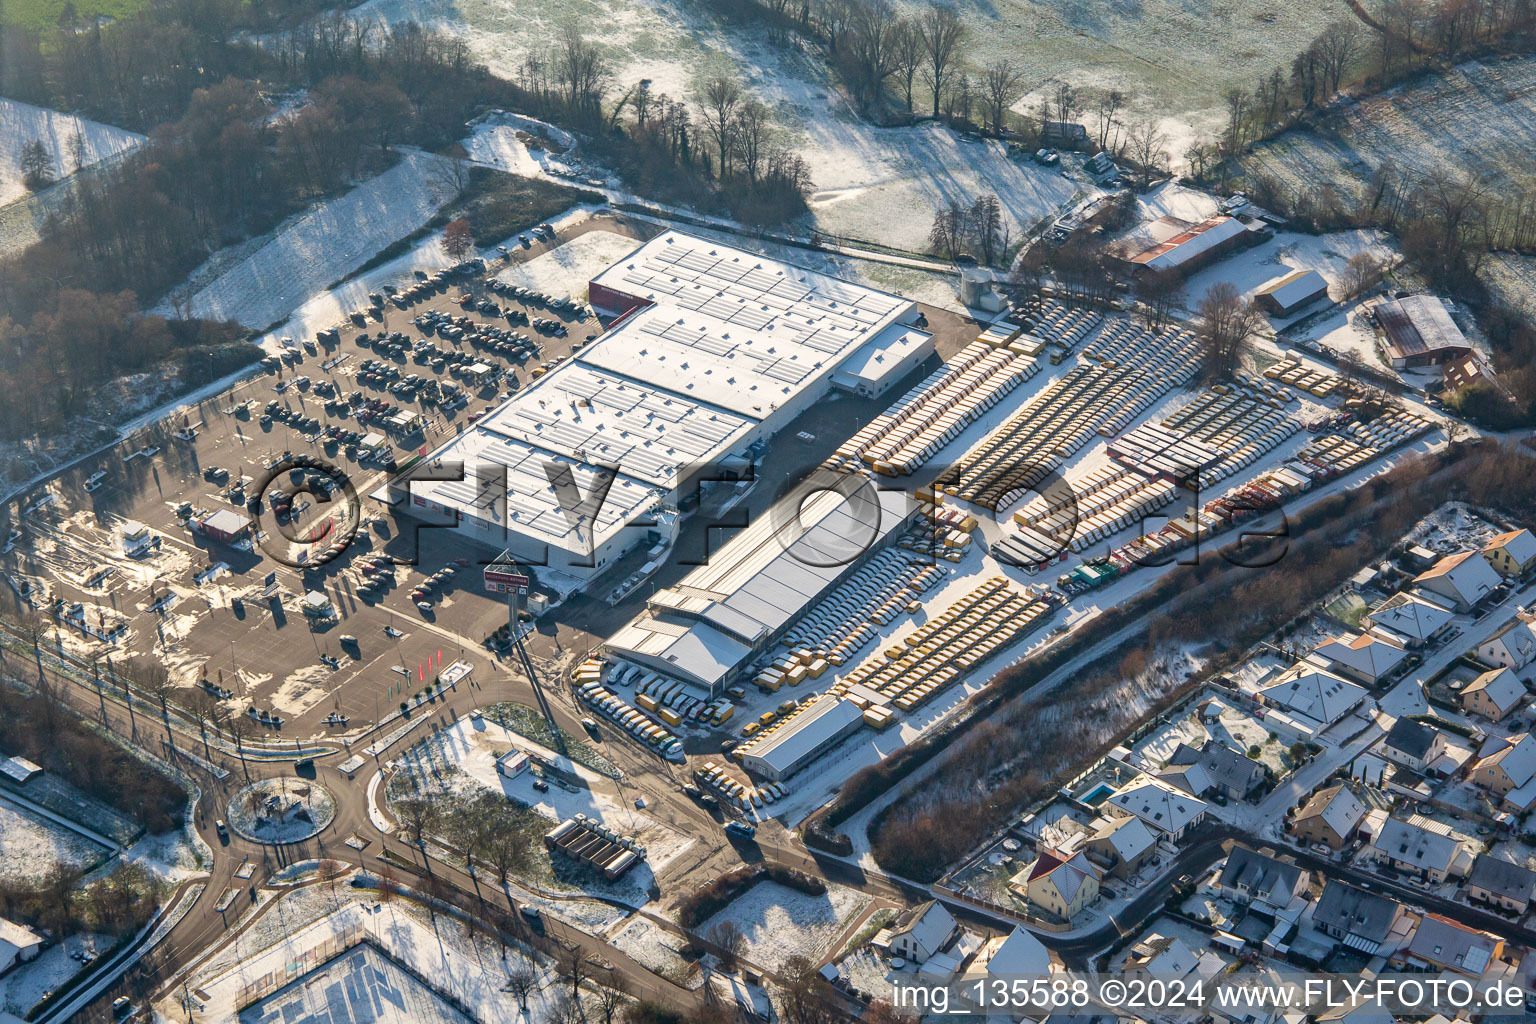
752,134
1002,79
1147,143
1362,273
581,68
521,981
419,816
727,936
1227,323
720,98
986,228
1107,114
909,57
942,31
873,42
1160,293
947,236
611,998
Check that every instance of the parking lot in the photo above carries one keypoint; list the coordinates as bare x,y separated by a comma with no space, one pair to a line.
427,356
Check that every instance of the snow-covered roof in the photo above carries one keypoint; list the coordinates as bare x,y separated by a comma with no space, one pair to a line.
1469,576
1517,758
804,736
1163,955
1501,686
1337,806
1191,243
1296,287
1520,545
1067,872
18,935
734,328
929,924
1314,693
1128,837
1370,656
1020,955
1439,940
652,435
695,652
1416,846
1519,636
1160,804
1417,616
1418,325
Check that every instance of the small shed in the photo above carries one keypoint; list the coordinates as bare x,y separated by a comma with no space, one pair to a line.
317,605
1291,293
227,525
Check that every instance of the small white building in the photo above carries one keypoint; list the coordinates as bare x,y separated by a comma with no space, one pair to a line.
887,358
18,944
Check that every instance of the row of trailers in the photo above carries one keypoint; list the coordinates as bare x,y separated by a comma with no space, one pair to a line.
589,841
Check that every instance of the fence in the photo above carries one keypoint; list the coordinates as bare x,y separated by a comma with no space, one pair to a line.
314,957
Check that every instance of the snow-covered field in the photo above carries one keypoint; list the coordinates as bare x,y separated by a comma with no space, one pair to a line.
565,270
472,746
31,846
1478,119
25,987
22,123
1512,279
652,947
315,249
876,184
778,922
466,966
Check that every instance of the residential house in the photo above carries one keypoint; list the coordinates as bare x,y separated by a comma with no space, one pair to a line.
1500,883
922,931
1020,955
1160,956
1512,553
1465,578
1121,846
1413,745
1367,658
1512,646
1329,817
1414,851
1310,699
1161,806
18,944
1493,694
1440,944
1358,919
1263,882
1226,772
1063,883
1416,620
1510,772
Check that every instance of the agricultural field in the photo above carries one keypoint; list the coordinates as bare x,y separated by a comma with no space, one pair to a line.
44,14
1477,120
875,184
777,922
22,123
1512,279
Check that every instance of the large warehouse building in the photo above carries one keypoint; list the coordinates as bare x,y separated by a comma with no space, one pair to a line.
715,348
707,628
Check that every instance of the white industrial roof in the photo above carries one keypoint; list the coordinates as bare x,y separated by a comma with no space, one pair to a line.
886,353
694,651
577,517
729,338
733,328
805,735
643,432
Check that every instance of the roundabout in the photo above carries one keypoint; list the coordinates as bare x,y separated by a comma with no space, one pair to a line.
279,811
